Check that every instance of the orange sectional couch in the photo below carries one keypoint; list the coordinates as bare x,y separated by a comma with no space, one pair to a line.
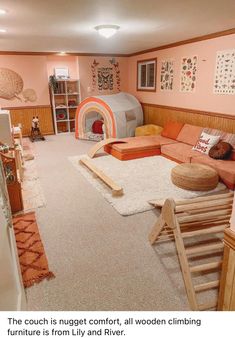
177,144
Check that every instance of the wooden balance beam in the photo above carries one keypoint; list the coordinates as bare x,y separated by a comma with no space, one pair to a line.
116,189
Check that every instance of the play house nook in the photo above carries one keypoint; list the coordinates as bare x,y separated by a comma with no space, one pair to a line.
117,156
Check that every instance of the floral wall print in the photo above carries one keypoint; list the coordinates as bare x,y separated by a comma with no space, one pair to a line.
167,73
188,74
117,72
105,78
12,87
93,73
224,82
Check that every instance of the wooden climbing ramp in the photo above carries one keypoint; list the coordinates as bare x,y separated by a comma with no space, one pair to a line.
203,220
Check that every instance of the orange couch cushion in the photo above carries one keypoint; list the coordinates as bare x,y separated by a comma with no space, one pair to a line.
180,152
172,129
189,134
137,147
140,143
225,169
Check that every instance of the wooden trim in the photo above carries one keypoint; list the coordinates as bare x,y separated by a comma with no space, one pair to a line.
188,110
184,42
26,107
137,78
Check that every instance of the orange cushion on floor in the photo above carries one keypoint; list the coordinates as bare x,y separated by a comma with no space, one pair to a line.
189,134
136,147
172,129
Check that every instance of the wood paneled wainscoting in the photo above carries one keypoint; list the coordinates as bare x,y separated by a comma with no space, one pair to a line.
160,115
24,115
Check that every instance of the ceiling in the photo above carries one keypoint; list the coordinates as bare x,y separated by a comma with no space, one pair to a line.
68,25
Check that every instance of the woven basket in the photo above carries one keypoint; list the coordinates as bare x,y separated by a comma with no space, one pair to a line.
193,176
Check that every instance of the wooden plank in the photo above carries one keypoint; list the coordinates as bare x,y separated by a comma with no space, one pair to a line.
199,249
206,286
157,228
203,216
205,205
116,189
210,230
206,266
91,153
24,116
220,220
185,269
160,115
159,203
203,210
208,306
205,198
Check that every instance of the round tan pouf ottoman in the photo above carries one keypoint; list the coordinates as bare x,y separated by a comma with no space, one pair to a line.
193,176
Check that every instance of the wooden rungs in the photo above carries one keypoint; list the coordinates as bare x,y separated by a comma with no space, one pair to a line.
206,286
205,205
204,248
209,230
204,198
220,220
206,267
203,216
207,306
116,189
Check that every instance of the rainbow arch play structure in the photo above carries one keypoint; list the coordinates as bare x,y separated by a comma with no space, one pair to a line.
121,114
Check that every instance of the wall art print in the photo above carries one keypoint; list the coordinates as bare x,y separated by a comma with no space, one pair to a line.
188,74
93,73
117,72
105,78
12,87
167,73
224,82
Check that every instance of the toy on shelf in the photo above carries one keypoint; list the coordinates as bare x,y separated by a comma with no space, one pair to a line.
36,134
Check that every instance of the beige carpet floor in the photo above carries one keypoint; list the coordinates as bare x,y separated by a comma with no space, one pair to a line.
101,260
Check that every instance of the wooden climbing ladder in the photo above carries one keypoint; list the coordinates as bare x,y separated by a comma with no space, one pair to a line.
204,219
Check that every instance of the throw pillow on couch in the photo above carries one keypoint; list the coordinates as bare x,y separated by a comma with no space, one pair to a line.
206,142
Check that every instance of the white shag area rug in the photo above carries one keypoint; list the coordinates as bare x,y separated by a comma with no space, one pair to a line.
142,180
32,193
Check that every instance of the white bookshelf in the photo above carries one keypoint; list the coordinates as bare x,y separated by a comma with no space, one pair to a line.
65,100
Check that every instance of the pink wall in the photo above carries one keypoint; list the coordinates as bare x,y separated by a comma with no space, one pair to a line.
60,61
85,63
33,71
203,98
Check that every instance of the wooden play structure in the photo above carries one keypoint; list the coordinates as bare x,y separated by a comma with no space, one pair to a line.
92,152
201,221
116,189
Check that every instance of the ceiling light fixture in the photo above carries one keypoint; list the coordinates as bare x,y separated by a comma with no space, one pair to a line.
107,30
62,53
2,30
2,11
